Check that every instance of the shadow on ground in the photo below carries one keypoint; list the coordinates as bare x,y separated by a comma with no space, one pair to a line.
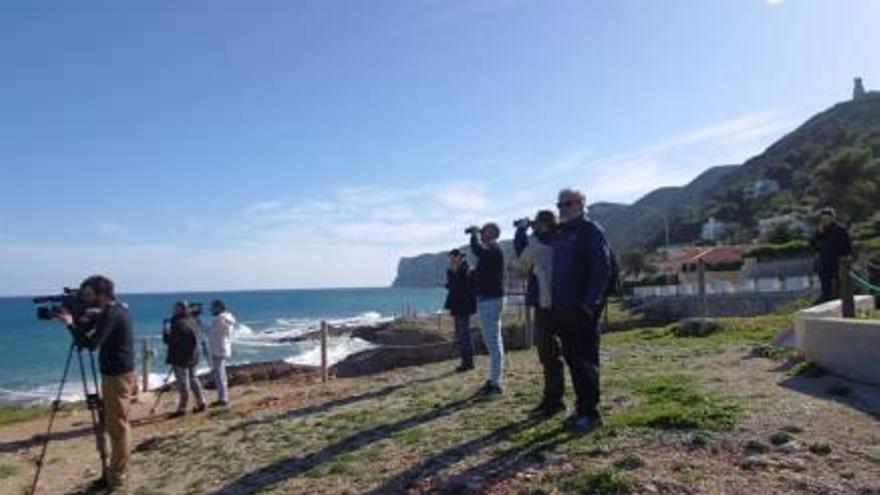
280,471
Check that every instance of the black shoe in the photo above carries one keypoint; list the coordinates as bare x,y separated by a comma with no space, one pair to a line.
582,424
491,389
219,403
177,414
462,368
199,409
547,409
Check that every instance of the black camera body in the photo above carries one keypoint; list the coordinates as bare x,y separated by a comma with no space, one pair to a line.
472,230
522,223
195,309
69,300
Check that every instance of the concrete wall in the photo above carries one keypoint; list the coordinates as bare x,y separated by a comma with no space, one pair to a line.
683,306
846,347
831,309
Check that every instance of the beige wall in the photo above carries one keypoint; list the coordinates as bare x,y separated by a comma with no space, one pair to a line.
844,346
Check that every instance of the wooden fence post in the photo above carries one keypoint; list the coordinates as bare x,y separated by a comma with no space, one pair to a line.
324,371
147,356
847,297
701,287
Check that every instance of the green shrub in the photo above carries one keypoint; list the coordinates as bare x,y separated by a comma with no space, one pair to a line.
781,438
756,447
672,402
775,251
604,482
820,449
629,462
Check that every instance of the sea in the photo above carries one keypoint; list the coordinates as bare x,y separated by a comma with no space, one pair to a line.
33,352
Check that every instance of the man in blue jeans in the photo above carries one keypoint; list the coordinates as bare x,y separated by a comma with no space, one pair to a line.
489,289
461,305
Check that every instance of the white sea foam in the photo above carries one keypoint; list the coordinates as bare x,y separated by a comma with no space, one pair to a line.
339,348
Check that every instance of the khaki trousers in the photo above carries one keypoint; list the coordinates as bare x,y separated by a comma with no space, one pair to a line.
116,391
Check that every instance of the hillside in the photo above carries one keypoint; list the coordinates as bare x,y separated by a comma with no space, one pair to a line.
637,223
831,159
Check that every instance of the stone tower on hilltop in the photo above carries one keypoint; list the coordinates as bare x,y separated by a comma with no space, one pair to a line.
858,89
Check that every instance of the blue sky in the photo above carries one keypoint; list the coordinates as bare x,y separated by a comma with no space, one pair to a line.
275,144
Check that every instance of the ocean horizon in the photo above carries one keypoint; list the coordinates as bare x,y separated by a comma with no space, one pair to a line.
32,351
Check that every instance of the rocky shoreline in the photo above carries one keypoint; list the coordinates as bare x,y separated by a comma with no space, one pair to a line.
411,343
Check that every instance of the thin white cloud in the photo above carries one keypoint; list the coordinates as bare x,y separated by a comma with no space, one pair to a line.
111,230
774,2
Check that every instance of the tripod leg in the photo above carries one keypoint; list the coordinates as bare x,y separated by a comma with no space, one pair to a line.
56,405
94,403
161,391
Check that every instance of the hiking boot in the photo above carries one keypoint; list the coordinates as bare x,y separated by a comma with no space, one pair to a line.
462,368
491,389
199,409
547,409
582,424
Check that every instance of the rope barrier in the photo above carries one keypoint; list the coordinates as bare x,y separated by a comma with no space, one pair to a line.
864,282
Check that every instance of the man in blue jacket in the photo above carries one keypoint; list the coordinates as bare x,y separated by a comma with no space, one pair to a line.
582,269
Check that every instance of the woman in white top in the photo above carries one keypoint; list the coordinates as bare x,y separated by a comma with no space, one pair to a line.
220,344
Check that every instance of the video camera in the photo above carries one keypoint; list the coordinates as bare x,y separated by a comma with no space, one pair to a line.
472,230
522,223
52,306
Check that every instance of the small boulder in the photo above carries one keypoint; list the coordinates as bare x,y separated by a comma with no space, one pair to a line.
696,327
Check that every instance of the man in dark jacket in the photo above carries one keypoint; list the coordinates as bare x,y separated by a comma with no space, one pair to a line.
830,243
581,273
489,289
114,336
461,305
183,355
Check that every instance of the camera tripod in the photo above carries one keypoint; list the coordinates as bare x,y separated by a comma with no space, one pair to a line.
95,406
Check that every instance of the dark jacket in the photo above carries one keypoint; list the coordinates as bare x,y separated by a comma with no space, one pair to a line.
114,335
581,265
460,299
489,274
182,342
829,247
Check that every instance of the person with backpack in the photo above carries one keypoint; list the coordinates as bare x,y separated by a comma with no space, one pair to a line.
461,304
183,354
535,257
583,270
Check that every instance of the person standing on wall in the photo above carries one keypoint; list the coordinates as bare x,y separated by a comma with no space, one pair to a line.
830,243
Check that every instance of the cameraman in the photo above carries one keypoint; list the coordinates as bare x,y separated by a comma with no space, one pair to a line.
536,262
114,336
489,289
183,355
